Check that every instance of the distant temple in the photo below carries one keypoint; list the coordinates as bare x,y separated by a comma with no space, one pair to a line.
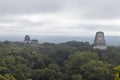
27,39
99,42
33,42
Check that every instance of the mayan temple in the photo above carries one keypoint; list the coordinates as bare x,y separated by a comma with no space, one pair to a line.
34,43
99,42
27,39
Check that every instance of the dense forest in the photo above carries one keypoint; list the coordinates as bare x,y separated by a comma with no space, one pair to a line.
64,61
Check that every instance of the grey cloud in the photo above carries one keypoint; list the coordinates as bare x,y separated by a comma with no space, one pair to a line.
80,9
33,24
95,27
29,6
99,9
92,9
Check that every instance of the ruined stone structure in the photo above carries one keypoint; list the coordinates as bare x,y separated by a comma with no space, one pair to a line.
99,42
27,39
34,42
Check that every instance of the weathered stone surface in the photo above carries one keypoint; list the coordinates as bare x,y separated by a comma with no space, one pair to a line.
99,42
27,39
34,42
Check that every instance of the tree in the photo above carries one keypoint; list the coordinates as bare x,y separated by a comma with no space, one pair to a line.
7,77
77,77
78,59
117,75
96,70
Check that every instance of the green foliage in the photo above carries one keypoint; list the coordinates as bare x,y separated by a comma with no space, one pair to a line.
7,77
78,59
77,77
46,74
65,61
96,70
112,55
117,75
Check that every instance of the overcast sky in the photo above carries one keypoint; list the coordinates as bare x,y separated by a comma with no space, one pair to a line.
59,17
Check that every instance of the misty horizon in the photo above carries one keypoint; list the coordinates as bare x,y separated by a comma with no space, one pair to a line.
110,40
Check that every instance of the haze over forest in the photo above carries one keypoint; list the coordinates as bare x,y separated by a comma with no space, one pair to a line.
110,40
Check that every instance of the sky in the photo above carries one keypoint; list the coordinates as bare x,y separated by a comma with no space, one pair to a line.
59,17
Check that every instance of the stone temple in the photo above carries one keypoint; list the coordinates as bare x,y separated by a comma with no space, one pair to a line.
27,39
34,43
99,42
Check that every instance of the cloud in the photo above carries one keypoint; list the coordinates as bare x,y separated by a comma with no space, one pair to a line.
83,8
29,6
59,17
96,9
